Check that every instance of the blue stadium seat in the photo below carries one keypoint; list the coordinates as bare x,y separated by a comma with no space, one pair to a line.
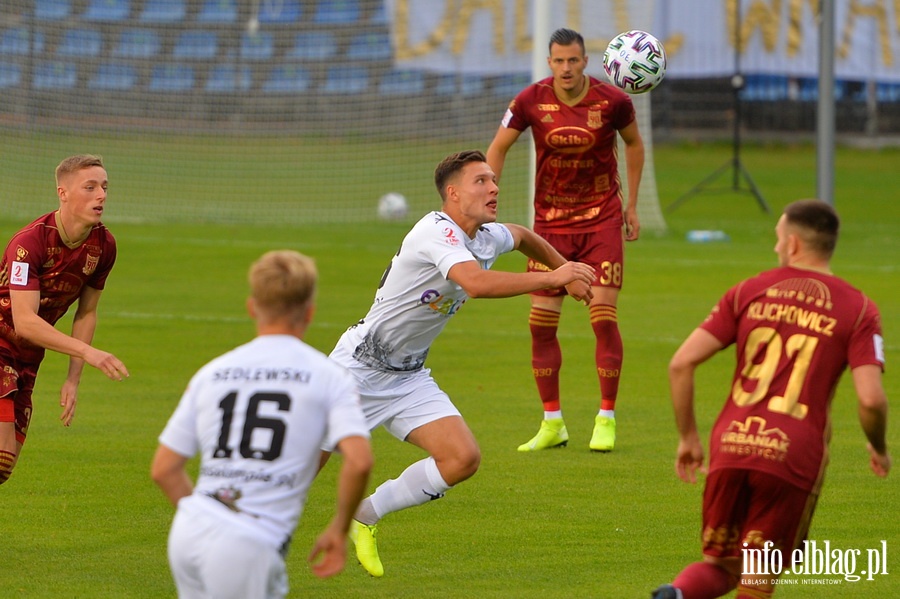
200,45
218,11
380,15
459,85
163,11
402,82
313,45
370,46
337,12
80,42
287,79
111,76
887,92
279,12
507,86
763,88
346,80
10,74
137,43
227,78
107,10
257,46
52,10
172,78
17,41
54,74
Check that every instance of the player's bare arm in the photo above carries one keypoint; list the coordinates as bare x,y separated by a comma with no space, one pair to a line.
168,472
478,282
329,552
634,167
873,409
696,349
496,153
537,248
30,326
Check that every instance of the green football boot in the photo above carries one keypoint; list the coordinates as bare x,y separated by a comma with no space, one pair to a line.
552,433
604,437
363,536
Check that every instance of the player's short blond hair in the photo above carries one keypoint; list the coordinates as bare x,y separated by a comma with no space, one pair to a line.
75,163
283,282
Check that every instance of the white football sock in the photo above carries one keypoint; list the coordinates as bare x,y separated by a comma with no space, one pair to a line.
419,483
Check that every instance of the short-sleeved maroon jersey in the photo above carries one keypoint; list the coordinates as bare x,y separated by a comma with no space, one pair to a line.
38,259
795,333
577,182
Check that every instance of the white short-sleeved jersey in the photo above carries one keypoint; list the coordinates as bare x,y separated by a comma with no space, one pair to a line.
415,299
258,416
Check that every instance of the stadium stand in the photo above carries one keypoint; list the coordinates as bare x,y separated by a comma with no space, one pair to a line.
55,75
172,78
107,10
257,46
113,76
196,45
163,11
227,78
10,75
279,12
337,12
287,79
344,80
313,45
402,82
218,12
17,41
370,46
84,43
52,10
459,85
137,43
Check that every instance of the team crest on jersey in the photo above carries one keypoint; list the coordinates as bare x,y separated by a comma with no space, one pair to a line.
90,264
21,253
595,117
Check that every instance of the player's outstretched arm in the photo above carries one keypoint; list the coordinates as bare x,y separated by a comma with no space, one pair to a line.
873,410
537,248
329,553
30,326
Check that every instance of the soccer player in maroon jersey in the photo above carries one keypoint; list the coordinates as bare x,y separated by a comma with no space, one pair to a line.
795,328
61,258
575,120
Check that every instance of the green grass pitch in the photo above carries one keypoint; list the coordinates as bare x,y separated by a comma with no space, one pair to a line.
82,519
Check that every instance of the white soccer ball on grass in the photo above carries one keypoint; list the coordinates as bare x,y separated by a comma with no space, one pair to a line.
392,206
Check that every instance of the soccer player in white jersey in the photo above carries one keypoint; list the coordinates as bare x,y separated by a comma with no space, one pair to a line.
258,416
443,261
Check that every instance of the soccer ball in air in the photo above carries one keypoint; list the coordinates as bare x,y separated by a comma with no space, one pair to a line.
392,206
635,61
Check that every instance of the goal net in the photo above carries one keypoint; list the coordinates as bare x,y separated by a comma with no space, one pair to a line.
269,112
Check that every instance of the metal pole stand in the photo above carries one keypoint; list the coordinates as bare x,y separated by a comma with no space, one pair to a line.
738,169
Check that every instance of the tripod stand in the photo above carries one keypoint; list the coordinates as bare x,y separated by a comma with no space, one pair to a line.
737,168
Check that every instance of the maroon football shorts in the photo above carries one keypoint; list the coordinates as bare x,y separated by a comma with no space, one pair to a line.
742,509
603,249
16,386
